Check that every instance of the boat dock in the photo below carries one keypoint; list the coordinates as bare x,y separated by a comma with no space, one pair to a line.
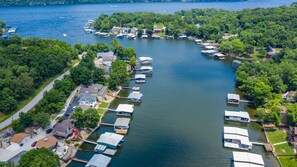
258,143
255,120
135,88
106,124
90,142
245,101
79,160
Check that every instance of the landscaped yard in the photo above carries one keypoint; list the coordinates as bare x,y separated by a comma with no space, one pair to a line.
101,108
276,136
283,149
288,161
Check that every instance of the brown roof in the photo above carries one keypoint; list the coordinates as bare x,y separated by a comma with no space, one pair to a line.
46,142
17,138
291,94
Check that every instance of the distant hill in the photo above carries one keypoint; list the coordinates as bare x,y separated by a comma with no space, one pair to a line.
62,2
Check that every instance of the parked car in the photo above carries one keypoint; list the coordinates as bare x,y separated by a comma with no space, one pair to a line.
49,130
33,144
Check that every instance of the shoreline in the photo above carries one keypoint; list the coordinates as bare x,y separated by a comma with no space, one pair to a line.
112,97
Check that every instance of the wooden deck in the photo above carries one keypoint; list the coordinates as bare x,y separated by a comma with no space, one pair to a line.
122,132
90,142
106,124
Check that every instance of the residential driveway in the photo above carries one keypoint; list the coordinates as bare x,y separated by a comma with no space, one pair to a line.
71,107
8,153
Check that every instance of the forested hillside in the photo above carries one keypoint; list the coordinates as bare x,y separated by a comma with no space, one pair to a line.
60,2
27,62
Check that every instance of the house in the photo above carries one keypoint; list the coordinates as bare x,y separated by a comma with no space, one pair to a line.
115,30
99,160
96,90
49,142
271,52
158,28
86,101
19,139
293,136
106,58
64,128
134,31
290,96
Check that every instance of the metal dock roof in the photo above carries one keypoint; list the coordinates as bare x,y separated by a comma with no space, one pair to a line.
236,131
247,158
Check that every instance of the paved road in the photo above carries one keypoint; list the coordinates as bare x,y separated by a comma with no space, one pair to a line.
37,98
32,103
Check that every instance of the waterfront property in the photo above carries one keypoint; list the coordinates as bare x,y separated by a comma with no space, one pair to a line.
233,98
64,128
135,97
146,70
125,110
244,159
219,56
236,138
99,160
290,96
121,125
106,58
108,143
96,90
239,116
145,60
139,78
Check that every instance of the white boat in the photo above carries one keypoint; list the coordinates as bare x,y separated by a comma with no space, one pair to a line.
65,35
210,47
182,37
209,52
145,60
144,36
140,78
156,36
236,138
219,56
245,159
88,30
131,36
146,70
205,44
238,116
121,36
170,37
90,21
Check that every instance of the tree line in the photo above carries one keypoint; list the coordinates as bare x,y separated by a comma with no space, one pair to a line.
83,74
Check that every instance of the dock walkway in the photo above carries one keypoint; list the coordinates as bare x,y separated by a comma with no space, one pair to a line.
90,142
258,143
79,160
106,124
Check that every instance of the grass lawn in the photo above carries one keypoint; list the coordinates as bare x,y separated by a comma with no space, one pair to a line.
43,85
276,136
288,161
283,149
103,105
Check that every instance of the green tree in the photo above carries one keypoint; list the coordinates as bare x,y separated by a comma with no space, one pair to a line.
118,74
133,62
85,119
42,157
42,119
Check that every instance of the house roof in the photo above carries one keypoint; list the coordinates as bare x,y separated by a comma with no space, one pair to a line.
64,125
105,54
248,158
102,91
110,139
135,95
91,89
236,131
125,108
122,122
46,142
17,138
240,114
86,97
291,93
99,160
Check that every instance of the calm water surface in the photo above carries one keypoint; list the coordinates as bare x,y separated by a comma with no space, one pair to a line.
180,122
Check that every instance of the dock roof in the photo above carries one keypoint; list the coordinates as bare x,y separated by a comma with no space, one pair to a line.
135,95
247,157
125,108
240,114
236,131
99,160
122,122
146,68
243,139
233,96
110,139
242,164
144,58
140,76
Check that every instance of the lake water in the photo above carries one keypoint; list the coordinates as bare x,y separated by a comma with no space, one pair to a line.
180,122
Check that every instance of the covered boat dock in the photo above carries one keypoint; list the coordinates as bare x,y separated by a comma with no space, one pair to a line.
239,116
135,97
99,160
233,98
125,110
246,159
